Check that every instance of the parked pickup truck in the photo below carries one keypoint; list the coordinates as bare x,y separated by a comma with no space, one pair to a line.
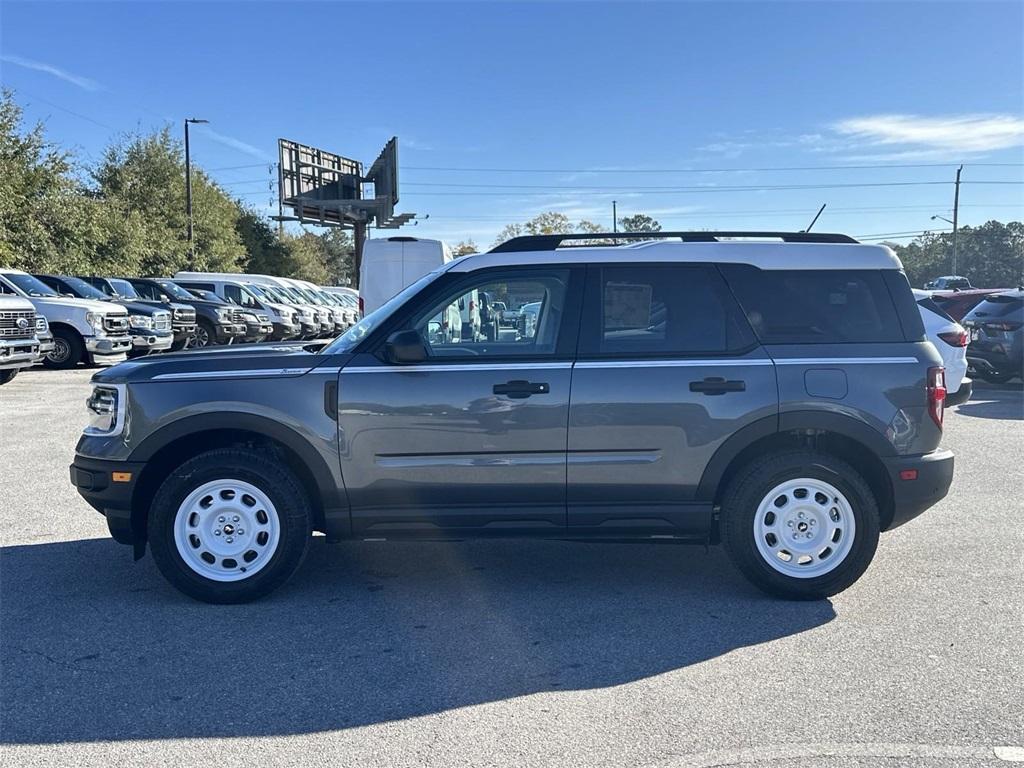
19,346
149,326
83,331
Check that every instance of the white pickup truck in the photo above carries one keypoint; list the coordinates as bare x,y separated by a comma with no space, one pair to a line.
19,345
86,331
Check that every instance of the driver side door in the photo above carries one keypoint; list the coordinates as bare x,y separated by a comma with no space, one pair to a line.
474,436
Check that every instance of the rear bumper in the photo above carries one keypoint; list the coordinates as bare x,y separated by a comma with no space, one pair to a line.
93,478
911,497
982,360
962,395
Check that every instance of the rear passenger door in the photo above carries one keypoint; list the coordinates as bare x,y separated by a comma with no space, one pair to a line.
667,369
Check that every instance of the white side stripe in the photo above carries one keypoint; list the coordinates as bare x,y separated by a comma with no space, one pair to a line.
240,374
846,360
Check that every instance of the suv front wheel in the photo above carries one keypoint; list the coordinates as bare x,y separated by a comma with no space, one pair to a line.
230,525
801,524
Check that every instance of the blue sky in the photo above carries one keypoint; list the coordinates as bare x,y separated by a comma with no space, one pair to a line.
577,104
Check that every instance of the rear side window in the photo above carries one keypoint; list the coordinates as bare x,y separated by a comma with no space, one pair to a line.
998,306
660,309
816,306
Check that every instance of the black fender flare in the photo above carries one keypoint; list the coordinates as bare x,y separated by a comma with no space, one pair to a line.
331,497
818,420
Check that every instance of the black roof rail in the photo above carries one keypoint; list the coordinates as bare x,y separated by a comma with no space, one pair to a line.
551,242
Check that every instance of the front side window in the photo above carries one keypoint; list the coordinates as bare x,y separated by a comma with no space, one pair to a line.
660,309
463,323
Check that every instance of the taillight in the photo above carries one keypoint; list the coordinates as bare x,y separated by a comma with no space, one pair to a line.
936,388
955,338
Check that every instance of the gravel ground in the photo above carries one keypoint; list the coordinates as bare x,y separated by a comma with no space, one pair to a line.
510,653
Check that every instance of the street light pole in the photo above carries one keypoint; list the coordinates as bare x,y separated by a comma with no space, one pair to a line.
956,211
188,191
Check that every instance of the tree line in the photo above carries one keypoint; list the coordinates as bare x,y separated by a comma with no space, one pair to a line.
125,214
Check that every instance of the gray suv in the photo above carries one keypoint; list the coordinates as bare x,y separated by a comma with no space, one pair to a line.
774,393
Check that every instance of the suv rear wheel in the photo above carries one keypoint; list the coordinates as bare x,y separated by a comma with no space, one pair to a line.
801,524
230,525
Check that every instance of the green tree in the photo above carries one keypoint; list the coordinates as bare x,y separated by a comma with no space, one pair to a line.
464,248
639,222
266,253
547,223
339,256
990,255
308,257
143,177
46,220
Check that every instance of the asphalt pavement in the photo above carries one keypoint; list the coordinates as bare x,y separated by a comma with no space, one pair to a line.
508,652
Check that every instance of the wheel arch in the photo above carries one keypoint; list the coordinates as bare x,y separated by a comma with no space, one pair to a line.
851,440
175,443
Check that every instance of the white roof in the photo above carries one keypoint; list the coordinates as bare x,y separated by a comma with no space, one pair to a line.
766,255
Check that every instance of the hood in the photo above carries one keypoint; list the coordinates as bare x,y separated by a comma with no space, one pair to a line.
239,361
88,305
142,308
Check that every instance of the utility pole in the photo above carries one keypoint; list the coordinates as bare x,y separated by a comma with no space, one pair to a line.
956,211
615,218
188,192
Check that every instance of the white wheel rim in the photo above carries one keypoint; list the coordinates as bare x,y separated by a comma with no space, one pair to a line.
804,528
226,530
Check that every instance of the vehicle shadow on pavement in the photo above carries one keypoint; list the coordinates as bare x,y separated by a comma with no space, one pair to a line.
96,648
994,404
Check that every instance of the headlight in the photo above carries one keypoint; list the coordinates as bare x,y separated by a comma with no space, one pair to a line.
95,321
140,321
249,317
224,315
263,318
41,324
106,410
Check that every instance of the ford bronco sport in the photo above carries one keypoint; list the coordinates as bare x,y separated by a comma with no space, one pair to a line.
770,391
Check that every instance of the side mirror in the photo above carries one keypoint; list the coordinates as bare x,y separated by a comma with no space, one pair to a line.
405,347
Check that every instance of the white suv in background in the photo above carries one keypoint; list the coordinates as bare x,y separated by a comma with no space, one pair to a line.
950,339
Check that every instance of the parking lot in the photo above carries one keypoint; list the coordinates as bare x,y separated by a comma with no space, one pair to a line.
507,652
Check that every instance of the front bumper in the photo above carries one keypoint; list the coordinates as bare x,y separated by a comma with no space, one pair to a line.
912,496
18,353
285,331
108,349
93,478
144,342
228,332
258,332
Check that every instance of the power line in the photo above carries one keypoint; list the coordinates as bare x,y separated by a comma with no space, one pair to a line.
741,187
703,170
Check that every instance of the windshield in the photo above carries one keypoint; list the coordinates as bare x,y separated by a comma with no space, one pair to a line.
350,338
175,290
84,290
30,285
124,288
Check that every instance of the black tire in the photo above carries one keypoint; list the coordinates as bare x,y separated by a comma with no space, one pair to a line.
68,350
749,488
205,336
7,376
267,471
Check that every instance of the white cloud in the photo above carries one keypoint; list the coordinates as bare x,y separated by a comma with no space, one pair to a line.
84,83
241,146
952,133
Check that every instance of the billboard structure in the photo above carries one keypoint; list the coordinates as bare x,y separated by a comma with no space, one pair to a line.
320,187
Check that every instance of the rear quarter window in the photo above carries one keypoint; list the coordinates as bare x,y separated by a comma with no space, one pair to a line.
816,306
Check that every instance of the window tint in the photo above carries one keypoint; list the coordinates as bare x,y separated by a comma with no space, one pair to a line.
148,291
815,306
463,324
661,309
998,306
